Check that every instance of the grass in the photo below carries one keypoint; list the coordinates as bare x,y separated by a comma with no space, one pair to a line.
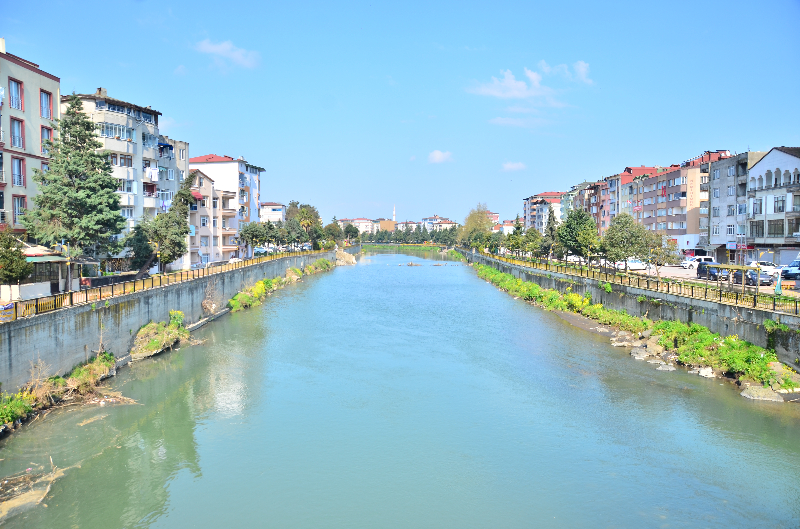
320,265
694,344
157,336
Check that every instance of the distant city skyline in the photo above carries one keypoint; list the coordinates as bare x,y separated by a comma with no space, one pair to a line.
355,109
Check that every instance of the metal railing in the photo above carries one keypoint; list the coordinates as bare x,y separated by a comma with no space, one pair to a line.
689,289
15,102
30,307
18,141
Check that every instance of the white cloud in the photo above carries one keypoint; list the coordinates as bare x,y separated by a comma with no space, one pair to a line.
225,54
513,166
180,70
582,72
510,88
440,157
562,69
521,110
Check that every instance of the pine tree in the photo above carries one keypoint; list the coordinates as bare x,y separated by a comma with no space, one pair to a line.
13,266
77,201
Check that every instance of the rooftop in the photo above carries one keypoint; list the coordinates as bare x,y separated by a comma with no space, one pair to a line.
102,94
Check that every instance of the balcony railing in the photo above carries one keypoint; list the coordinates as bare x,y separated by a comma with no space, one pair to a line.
18,180
15,102
46,113
18,213
2,176
796,208
3,216
242,200
2,136
18,142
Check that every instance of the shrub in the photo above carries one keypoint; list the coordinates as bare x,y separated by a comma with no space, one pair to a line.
176,318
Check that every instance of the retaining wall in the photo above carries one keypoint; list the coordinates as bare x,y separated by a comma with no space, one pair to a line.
718,317
67,337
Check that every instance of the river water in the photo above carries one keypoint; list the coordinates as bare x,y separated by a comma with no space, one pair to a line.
393,396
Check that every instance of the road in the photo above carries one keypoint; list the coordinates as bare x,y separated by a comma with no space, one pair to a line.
678,272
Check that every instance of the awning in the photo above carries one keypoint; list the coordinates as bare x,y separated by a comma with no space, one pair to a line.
197,195
46,258
166,145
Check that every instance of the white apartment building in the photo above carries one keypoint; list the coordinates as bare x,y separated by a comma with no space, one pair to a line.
272,212
773,206
363,225
28,109
242,178
148,166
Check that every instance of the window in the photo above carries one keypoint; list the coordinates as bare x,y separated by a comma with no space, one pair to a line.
170,174
20,205
46,104
214,203
780,204
731,210
680,225
741,209
715,212
182,154
182,174
45,167
758,209
149,140
17,134
715,192
704,208
15,94
199,181
18,172
730,229
757,228
716,174
204,240
732,170
120,132
731,191
214,222
715,229
125,186
47,135
740,229
204,202
204,221
775,228
145,164
112,158
232,241
127,212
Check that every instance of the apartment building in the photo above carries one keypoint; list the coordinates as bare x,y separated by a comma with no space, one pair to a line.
362,225
242,178
443,224
272,212
494,217
206,222
428,222
773,206
727,229
535,209
411,225
148,166
28,109
568,199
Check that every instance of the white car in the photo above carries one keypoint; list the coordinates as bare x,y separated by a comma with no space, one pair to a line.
235,260
633,264
692,262
766,267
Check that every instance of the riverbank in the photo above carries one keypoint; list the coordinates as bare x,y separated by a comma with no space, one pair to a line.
666,343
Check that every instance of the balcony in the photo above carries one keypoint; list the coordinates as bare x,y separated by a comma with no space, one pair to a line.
18,142
15,102
229,212
18,180
4,216
242,200
47,113
149,200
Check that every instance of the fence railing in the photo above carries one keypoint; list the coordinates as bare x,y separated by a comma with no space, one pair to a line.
31,307
710,291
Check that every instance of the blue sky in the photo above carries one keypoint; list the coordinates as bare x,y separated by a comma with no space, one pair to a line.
433,107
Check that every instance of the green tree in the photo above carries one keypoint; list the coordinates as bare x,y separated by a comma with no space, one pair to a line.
624,239
294,208
306,219
661,250
350,232
476,227
13,265
333,231
575,233
518,228
253,234
77,201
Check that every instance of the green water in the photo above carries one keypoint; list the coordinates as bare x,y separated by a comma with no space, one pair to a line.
392,396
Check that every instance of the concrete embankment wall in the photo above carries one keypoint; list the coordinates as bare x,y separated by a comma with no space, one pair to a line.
718,317
67,337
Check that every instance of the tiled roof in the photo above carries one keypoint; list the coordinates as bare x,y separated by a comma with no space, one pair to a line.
792,151
271,204
209,158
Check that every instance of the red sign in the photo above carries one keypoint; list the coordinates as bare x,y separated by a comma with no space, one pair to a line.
637,208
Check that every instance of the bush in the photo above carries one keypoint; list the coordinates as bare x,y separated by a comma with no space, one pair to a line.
176,318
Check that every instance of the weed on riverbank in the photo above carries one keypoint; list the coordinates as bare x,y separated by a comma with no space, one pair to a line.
157,336
253,296
694,344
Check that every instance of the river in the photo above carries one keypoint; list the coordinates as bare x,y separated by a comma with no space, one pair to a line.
393,396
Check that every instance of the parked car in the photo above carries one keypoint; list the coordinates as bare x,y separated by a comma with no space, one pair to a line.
763,278
633,264
766,266
235,260
692,262
792,270
212,264
714,274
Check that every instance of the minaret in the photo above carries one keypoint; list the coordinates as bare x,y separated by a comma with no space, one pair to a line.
394,216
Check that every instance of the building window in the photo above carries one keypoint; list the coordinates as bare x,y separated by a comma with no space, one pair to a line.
120,132
47,135
757,228
214,222
170,174
204,240
716,174
125,186
780,204
45,167
732,170
204,221
182,153
15,94
18,172
182,174
716,192
715,212
46,104
757,207
20,205
214,203
17,134
127,212
741,229
731,190
715,230
741,209
730,229
112,158
731,210
775,228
